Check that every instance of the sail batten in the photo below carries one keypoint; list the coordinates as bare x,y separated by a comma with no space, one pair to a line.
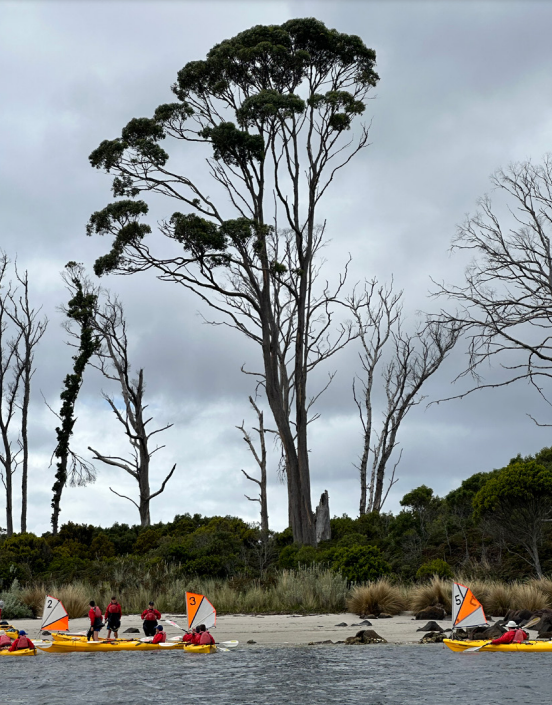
467,611
54,614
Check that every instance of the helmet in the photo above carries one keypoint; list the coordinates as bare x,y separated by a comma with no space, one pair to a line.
160,627
511,625
22,632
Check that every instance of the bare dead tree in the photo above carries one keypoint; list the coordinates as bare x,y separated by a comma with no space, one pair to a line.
20,332
115,365
411,359
505,304
260,459
275,105
31,327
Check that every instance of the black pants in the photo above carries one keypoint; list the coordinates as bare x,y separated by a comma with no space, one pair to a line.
149,627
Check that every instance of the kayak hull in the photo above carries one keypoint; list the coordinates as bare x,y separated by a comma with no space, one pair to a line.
19,652
192,649
527,646
64,646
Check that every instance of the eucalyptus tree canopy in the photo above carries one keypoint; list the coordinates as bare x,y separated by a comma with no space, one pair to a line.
516,503
274,106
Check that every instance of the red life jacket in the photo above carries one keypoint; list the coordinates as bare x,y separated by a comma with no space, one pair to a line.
187,637
206,638
196,638
5,640
113,608
160,637
22,643
150,615
520,636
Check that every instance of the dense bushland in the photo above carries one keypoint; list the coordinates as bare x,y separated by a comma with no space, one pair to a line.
431,536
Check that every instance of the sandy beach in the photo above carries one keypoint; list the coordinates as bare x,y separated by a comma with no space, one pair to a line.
274,630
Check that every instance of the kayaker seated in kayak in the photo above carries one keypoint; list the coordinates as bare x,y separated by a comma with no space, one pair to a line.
150,616
112,617
5,640
514,635
204,636
95,615
22,642
160,635
189,636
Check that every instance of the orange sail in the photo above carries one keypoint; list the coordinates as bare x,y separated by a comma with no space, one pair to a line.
199,611
467,611
54,614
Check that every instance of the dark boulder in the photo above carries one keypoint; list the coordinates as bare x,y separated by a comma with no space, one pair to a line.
342,624
251,641
366,636
433,638
131,630
366,623
492,632
545,636
430,627
434,612
384,615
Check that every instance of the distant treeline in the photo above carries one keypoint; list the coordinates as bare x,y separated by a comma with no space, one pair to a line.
493,525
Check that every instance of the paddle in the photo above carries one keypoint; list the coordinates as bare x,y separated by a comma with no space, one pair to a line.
231,644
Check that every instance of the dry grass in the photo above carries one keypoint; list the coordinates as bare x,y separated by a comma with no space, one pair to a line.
545,586
75,598
436,591
374,598
528,596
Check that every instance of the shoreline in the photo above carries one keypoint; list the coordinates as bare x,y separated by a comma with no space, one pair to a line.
273,630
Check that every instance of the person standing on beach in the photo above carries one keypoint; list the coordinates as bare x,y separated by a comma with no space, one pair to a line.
112,617
95,615
150,616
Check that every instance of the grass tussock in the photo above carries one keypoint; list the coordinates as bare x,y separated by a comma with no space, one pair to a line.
375,598
528,596
75,598
435,591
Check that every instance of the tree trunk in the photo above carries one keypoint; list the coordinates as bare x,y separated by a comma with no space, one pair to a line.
24,439
323,526
143,475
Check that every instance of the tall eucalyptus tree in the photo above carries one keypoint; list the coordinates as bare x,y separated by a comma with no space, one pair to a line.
275,105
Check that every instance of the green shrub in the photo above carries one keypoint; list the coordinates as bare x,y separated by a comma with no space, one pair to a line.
14,607
437,567
360,563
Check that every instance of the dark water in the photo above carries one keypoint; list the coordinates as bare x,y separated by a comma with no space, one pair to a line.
277,676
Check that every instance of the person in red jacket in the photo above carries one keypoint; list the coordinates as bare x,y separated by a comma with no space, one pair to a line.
160,635
514,635
204,636
150,616
5,640
187,638
95,616
196,636
22,642
113,618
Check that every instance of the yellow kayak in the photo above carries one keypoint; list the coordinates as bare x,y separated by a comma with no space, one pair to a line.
62,646
526,646
19,652
191,648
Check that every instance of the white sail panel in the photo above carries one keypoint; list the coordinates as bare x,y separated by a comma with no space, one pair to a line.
54,614
205,614
475,619
458,595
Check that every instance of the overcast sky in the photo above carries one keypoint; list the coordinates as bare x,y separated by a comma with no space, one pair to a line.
465,87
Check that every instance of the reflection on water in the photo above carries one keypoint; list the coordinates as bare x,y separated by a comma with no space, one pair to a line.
371,675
